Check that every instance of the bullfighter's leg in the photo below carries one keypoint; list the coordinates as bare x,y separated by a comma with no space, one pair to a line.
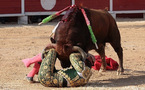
27,62
32,73
47,75
38,58
118,49
101,52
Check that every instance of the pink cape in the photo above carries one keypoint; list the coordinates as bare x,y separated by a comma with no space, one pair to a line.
111,64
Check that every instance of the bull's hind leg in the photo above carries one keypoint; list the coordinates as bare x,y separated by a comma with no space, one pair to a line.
118,49
101,52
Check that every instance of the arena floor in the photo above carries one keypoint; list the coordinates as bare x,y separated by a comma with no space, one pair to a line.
18,42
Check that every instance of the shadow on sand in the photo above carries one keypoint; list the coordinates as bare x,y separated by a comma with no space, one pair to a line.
131,80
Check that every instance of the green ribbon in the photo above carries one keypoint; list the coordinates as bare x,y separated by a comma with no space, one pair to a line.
92,34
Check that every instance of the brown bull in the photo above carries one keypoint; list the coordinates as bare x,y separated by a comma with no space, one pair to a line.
73,31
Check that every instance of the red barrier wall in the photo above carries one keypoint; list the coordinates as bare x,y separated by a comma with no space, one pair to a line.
119,5
14,6
35,5
95,4
10,6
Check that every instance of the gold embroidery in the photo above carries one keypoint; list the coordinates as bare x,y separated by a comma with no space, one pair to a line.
76,81
48,82
48,78
45,67
55,81
86,72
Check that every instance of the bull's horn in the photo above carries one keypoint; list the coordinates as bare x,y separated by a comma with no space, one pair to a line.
84,55
49,46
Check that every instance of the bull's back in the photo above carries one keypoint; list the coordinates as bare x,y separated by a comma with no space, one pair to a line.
102,24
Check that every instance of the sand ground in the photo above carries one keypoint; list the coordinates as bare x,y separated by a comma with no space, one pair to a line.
18,42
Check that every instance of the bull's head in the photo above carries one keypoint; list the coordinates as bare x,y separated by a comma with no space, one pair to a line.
67,49
72,31
87,58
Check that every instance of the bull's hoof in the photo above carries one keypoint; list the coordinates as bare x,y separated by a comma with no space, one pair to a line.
120,71
102,70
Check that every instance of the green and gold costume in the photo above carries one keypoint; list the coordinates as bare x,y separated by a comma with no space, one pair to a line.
78,75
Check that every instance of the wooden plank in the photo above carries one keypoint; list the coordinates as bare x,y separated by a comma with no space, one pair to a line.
35,5
136,15
60,5
10,6
10,11
10,0
128,5
95,4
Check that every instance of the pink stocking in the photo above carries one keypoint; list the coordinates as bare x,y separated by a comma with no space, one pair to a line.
27,62
34,71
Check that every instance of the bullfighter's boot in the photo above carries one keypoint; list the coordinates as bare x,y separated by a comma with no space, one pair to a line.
32,73
27,62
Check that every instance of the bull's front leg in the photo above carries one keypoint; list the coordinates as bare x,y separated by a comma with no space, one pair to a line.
103,64
101,52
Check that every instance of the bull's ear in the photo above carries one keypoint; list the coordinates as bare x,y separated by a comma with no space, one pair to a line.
52,40
67,48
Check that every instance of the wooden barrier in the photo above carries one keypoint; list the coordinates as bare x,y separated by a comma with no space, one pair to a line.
24,8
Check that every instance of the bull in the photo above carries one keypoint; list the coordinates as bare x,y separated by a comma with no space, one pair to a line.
72,31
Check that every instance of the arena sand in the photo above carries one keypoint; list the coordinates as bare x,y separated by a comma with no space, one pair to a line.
18,42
